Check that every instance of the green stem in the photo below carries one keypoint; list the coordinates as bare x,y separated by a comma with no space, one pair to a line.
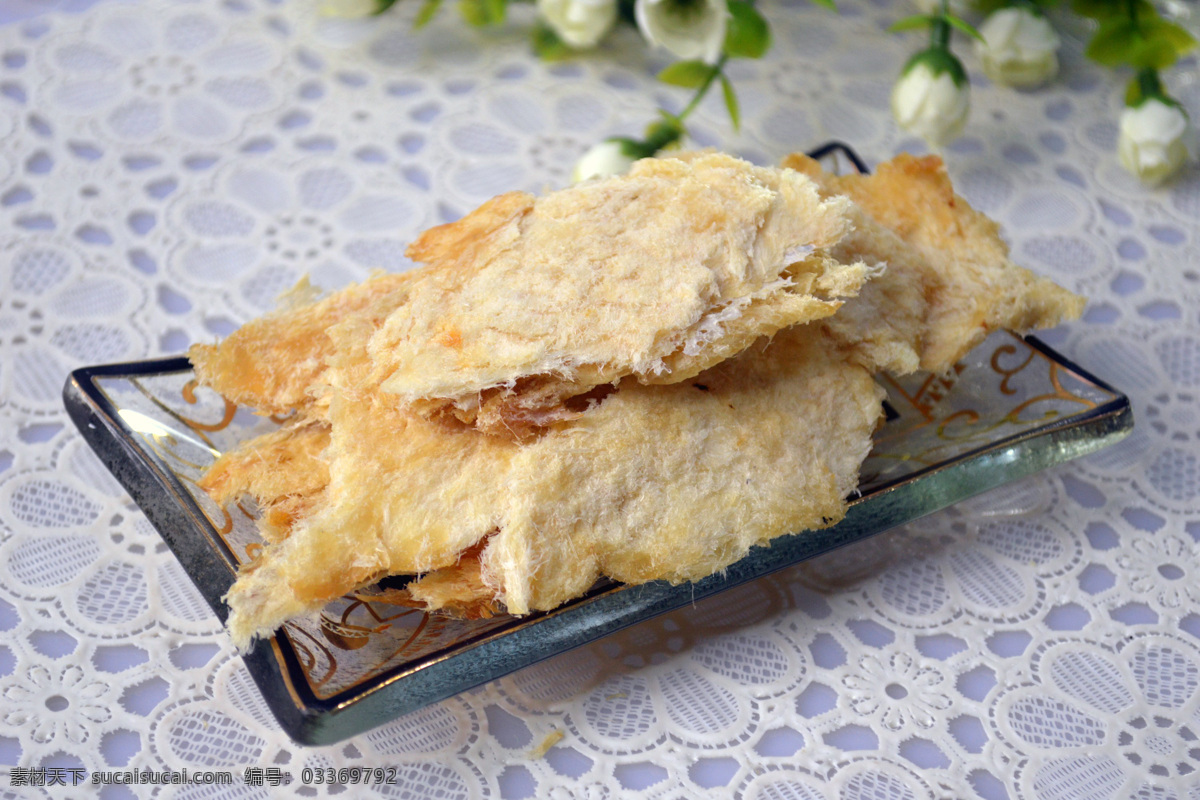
1131,7
1149,83
704,87
939,32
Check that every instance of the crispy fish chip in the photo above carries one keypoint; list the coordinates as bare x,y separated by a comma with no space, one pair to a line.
657,274
666,482
283,471
960,287
459,590
273,363
614,469
524,304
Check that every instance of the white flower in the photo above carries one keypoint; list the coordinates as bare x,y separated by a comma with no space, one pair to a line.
1019,48
688,29
1151,142
579,23
604,159
350,9
930,100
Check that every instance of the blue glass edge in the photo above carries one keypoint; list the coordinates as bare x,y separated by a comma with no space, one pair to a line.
504,651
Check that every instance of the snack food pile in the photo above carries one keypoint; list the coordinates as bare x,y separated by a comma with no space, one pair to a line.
639,377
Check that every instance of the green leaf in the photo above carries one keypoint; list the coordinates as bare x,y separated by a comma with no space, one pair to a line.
382,6
912,23
546,44
827,4
663,132
1152,43
1114,43
472,12
482,13
1103,9
688,74
964,26
747,34
632,147
429,10
731,102
1171,34
1153,54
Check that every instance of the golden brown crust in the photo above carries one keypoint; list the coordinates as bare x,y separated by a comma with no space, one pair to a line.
628,276
656,482
284,471
949,281
272,363
748,427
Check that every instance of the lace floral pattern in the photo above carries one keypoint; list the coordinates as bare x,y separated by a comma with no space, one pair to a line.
63,708
263,226
1133,708
170,168
182,74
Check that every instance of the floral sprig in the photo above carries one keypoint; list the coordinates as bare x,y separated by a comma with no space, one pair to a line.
743,33
932,97
1133,34
1015,44
704,35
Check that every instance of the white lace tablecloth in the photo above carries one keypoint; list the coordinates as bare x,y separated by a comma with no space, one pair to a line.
168,168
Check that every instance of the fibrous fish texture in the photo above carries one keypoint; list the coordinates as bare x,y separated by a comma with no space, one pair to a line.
657,274
637,379
529,302
655,482
949,281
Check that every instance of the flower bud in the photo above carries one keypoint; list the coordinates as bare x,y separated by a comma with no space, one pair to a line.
580,24
932,97
1019,48
688,29
609,157
1151,141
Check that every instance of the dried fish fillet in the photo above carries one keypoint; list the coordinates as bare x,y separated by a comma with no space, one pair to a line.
656,482
284,471
273,364
717,423
657,274
949,281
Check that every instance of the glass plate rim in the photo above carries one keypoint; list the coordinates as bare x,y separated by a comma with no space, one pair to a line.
310,719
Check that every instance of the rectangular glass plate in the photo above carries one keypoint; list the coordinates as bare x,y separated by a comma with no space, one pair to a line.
1011,408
